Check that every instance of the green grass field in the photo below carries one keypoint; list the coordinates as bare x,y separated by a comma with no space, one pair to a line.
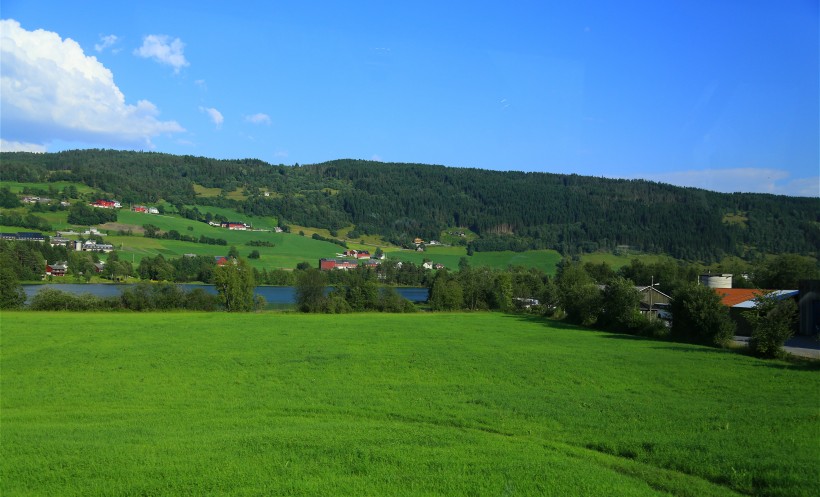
546,260
370,404
17,187
618,261
288,251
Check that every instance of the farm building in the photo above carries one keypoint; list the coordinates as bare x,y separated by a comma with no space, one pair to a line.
23,236
106,204
57,269
328,264
231,225
740,300
92,246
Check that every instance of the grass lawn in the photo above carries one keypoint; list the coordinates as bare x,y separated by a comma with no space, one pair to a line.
546,260
371,404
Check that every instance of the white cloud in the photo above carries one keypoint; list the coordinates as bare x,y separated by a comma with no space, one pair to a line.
164,50
50,90
12,146
259,118
214,114
105,42
742,179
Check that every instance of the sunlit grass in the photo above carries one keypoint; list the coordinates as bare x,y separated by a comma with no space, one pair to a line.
370,404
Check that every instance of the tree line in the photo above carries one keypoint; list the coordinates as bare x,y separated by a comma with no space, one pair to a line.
509,210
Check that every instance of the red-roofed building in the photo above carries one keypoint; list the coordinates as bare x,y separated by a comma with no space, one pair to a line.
235,226
328,264
731,297
106,204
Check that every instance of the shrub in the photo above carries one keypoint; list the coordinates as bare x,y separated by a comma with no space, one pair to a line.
50,299
772,324
700,317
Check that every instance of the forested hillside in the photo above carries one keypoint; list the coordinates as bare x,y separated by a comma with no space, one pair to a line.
509,210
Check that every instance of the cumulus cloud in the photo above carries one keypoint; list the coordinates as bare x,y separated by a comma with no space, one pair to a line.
105,42
259,118
164,50
12,146
50,90
214,114
743,179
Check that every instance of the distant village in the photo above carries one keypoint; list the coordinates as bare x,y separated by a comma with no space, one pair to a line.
349,259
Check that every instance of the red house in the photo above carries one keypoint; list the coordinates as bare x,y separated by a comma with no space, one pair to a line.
328,264
106,204
235,226
57,269
363,254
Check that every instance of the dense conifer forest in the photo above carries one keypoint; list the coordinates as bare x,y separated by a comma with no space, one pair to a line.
508,210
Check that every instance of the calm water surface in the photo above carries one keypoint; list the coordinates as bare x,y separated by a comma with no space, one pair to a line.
271,294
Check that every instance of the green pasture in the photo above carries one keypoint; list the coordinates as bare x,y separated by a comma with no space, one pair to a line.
288,251
101,404
18,187
201,191
618,261
258,222
546,260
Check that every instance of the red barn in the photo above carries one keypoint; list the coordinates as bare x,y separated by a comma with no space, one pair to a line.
328,264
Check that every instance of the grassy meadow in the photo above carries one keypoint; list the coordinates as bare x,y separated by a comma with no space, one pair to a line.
373,404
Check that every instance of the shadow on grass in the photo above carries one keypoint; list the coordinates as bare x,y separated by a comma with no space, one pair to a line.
545,321
789,363
694,348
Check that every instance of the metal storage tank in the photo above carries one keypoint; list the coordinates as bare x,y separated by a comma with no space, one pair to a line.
716,280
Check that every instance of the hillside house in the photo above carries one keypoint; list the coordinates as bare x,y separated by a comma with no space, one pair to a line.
106,204
654,303
36,200
231,225
58,241
57,269
329,264
221,260
92,246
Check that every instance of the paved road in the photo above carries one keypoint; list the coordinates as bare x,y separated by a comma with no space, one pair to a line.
800,346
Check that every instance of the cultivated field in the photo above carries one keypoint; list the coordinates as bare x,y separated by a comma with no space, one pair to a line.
372,404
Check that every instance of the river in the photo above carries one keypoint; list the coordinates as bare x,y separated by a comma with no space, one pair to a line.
271,294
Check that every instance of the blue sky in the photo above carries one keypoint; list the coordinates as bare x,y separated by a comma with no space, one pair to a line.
719,94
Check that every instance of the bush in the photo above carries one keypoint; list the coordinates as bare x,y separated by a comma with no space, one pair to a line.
200,300
50,299
772,323
620,311
12,295
700,317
